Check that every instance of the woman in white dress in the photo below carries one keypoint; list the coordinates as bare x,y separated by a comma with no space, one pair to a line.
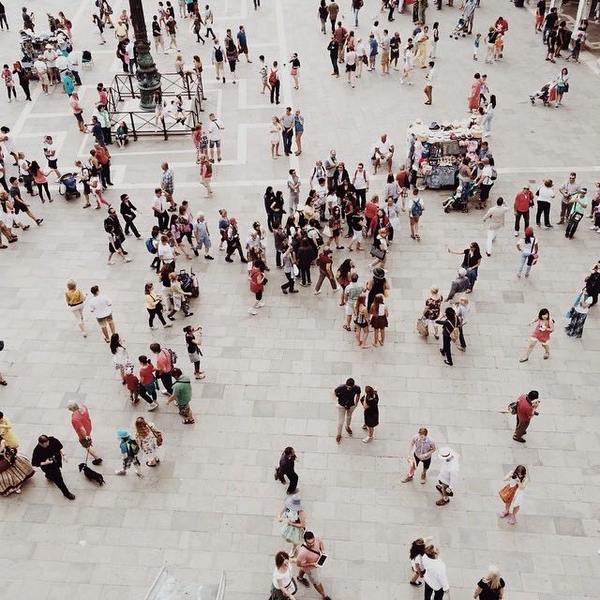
517,481
276,130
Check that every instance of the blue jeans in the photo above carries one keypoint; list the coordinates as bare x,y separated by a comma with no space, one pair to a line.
524,256
472,277
356,11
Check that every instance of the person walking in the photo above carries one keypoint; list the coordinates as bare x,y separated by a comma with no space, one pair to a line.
448,476
345,398
528,247
294,515
370,404
544,326
512,493
431,310
182,395
307,561
274,83
496,217
523,202
429,76
129,453
567,190
435,577
75,299
325,262
48,455
490,587
421,449
578,314
128,212
526,406
283,586
148,439
286,468
415,211
101,307
450,324
82,424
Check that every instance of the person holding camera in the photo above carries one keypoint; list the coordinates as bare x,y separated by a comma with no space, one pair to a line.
48,455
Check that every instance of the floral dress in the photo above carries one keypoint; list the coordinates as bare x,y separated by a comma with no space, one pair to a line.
148,444
432,308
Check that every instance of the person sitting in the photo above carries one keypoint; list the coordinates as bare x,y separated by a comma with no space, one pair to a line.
122,135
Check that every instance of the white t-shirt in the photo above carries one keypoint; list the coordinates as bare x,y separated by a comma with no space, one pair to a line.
100,306
50,151
351,57
545,194
360,179
165,252
384,147
282,579
40,67
214,130
62,62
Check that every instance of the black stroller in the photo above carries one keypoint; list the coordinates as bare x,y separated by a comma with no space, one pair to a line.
67,186
460,198
189,283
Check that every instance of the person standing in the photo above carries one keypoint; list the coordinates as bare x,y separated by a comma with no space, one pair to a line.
82,424
48,455
298,131
544,326
512,493
523,202
286,468
567,190
525,411
448,476
293,185
370,404
345,398
182,395
544,195
578,205
101,307
435,577
307,558
159,207
23,76
287,124
422,448
415,211
490,587
333,49
578,315
164,367
429,76
202,235
214,137
496,216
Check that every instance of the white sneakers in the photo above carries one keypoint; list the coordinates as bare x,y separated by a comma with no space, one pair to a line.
152,406
252,311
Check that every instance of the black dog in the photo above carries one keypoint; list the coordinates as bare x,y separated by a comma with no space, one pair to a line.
91,474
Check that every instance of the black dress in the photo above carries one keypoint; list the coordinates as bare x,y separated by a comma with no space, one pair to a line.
371,405
378,287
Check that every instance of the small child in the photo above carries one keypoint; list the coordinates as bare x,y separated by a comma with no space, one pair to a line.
498,46
476,45
132,383
264,74
129,451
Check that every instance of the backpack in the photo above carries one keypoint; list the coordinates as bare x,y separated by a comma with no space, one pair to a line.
273,78
416,210
150,245
219,54
133,447
494,174
318,238
108,225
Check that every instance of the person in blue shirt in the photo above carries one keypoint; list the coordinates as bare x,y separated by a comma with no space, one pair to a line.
243,43
373,51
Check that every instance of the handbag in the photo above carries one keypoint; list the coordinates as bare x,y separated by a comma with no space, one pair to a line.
576,216
377,252
422,327
455,333
507,493
296,270
327,231
158,435
512,408
532,259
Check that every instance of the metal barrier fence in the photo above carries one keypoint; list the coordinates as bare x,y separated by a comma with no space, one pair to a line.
145,123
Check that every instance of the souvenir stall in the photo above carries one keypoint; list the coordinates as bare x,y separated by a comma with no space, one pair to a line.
34,45
435,150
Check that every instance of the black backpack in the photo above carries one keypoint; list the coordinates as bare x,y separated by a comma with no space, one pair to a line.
219,54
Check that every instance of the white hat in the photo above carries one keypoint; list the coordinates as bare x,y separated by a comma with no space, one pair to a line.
446,454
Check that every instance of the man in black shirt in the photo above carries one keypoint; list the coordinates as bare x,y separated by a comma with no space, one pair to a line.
549,23
48,455
345,397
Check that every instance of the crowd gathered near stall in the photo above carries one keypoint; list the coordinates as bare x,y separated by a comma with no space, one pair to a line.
317,230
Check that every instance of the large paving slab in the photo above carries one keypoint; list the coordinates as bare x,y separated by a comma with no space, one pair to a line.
212,504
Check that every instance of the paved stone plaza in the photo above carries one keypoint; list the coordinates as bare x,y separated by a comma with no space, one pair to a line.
212,503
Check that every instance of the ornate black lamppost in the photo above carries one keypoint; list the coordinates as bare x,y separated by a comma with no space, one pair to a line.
147,74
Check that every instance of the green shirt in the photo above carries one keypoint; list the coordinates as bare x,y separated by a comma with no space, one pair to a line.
182,390
579,206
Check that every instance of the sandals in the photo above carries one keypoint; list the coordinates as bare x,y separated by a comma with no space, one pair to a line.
150,464
346,327
303,581
443,501
188,421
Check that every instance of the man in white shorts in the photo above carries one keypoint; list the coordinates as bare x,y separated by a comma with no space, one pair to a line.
383,152
349,296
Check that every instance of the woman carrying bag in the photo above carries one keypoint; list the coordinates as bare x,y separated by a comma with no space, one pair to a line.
512,493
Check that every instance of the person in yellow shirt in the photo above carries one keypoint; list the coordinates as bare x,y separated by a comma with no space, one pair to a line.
6,432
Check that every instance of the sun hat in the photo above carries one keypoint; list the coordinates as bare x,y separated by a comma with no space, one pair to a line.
446,453
378,273
294,502
122,433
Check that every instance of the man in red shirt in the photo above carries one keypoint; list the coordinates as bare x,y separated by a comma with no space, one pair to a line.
523,201
306,559
526,405
325,262
82,424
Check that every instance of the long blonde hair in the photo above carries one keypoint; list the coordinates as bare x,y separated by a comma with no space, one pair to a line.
493,577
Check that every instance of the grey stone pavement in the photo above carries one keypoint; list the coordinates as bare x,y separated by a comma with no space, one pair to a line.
212,504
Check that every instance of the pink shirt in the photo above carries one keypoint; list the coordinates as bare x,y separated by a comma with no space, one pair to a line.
81,419
163,361
305,558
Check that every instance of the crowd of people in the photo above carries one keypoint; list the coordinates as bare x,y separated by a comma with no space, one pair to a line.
339,207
